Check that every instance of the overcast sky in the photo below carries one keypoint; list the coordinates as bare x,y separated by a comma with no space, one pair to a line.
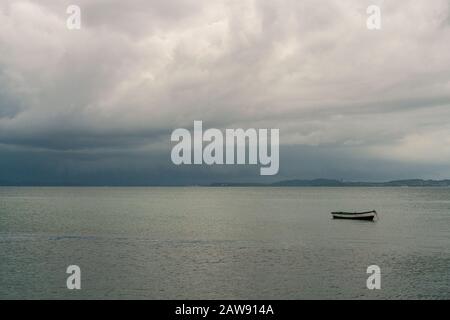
98,105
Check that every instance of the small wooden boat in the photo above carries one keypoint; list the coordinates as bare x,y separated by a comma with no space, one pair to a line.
365,215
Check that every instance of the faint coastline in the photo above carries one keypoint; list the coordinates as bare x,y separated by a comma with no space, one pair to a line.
283,183
340,183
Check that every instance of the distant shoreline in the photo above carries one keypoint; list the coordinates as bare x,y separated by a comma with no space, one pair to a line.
284,183
340,183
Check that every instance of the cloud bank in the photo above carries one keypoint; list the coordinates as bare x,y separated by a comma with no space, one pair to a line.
97,105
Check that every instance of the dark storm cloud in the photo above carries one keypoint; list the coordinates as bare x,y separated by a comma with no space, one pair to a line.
138,70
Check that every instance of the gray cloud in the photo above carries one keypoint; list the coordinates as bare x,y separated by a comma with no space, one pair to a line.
136,71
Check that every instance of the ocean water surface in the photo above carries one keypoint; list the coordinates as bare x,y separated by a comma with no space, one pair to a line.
223,243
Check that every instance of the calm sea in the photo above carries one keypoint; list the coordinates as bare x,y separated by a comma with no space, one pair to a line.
224,243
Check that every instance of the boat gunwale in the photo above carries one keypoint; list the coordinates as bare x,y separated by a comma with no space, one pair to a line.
353,213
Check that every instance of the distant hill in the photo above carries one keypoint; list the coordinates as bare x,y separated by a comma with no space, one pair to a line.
338,183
